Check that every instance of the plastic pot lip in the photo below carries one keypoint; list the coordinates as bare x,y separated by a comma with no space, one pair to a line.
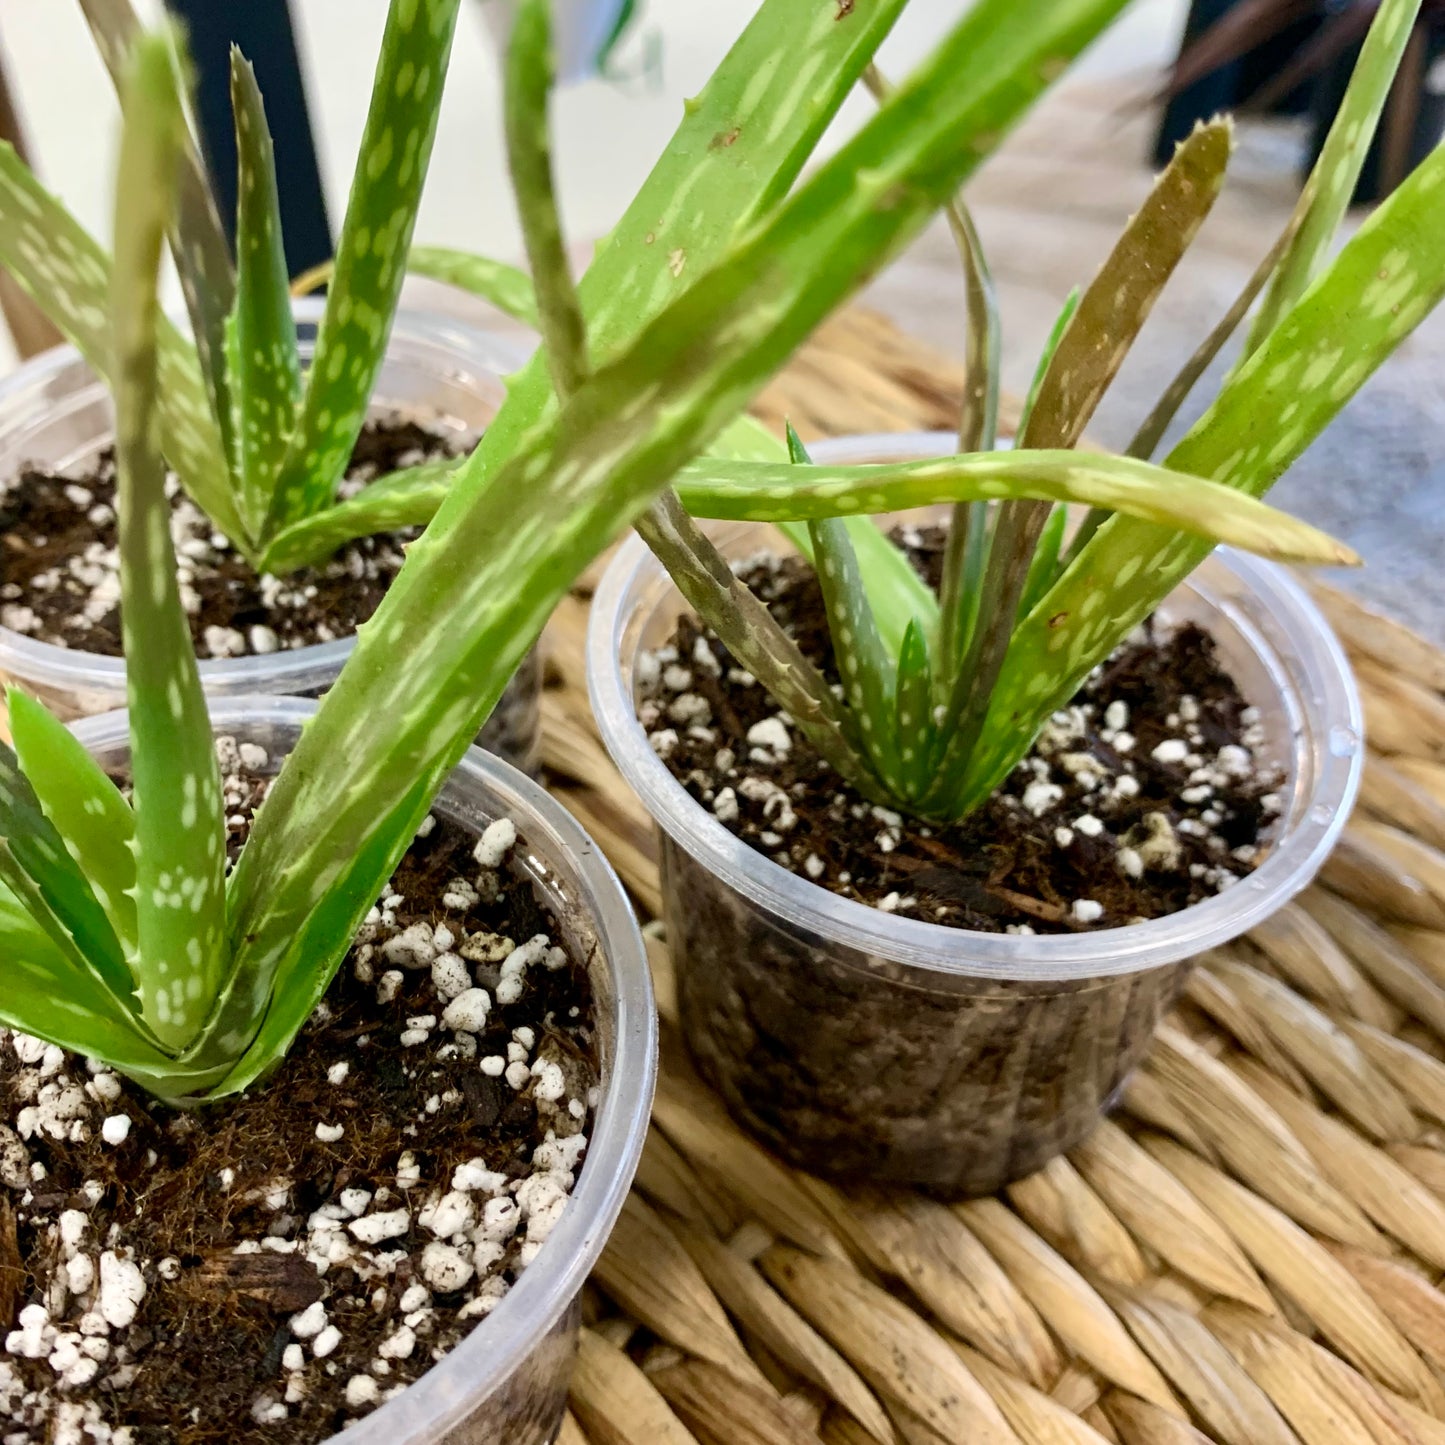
295,669
446,1394
1332,715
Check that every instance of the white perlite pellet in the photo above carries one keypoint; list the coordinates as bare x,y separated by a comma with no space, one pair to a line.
497,840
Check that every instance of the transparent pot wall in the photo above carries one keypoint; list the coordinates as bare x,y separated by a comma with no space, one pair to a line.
55,414
506,1382
857,1044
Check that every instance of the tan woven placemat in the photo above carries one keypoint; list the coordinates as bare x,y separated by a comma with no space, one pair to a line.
1247,1252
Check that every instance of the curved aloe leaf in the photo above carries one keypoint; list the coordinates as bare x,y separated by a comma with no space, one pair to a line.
86,809
39,871
510,537
198,240
46,990
508,288
529,159
770,492
1386,279
370,258
264,364
180,887
865,666
68,275
408,498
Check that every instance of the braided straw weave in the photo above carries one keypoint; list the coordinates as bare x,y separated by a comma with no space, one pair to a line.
1247,1252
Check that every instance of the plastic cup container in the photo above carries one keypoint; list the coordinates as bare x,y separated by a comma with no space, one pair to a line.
506,1382
861,1045
56,413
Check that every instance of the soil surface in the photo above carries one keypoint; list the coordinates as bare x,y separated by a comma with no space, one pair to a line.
59,569
1142,797
275,1267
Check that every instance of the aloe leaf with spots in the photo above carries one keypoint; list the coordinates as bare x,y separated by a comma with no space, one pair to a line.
257,446
121,903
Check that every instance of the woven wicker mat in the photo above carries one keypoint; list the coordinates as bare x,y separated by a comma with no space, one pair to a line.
1247,1252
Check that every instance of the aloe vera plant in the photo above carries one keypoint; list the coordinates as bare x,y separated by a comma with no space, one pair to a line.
128,941
258,444
944,692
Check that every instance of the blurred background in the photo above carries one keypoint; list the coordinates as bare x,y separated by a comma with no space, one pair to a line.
1049,206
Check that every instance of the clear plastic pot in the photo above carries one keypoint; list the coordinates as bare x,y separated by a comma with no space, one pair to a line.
506,1383
859,1044
56,413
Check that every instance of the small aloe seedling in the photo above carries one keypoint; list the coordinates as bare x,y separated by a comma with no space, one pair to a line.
257,443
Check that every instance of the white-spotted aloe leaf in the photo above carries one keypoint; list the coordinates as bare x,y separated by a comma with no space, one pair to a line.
510,538
772,492
37,868
1293,258
263,363
408,498
913,712
897,594
1384,281
370,266
198,240
1330,188
180,855
67,274
85,808
864,664
506,287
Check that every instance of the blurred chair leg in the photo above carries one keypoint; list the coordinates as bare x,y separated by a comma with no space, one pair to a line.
262,30
30,328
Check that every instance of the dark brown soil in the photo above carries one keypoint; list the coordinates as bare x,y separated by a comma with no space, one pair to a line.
59,538
1023,858
209,1340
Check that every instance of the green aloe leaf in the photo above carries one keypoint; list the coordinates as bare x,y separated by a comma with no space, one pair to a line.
264,364
772,492
370,258
508,288
1328,192
198,240
179,831
913,716
897,594
1384,281
529,158
510,538
84,806
407,498
49,995
864,664
60,266
39,871
1045,562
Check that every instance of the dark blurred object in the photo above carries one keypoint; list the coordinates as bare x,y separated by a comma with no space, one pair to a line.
1289,56
261,29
